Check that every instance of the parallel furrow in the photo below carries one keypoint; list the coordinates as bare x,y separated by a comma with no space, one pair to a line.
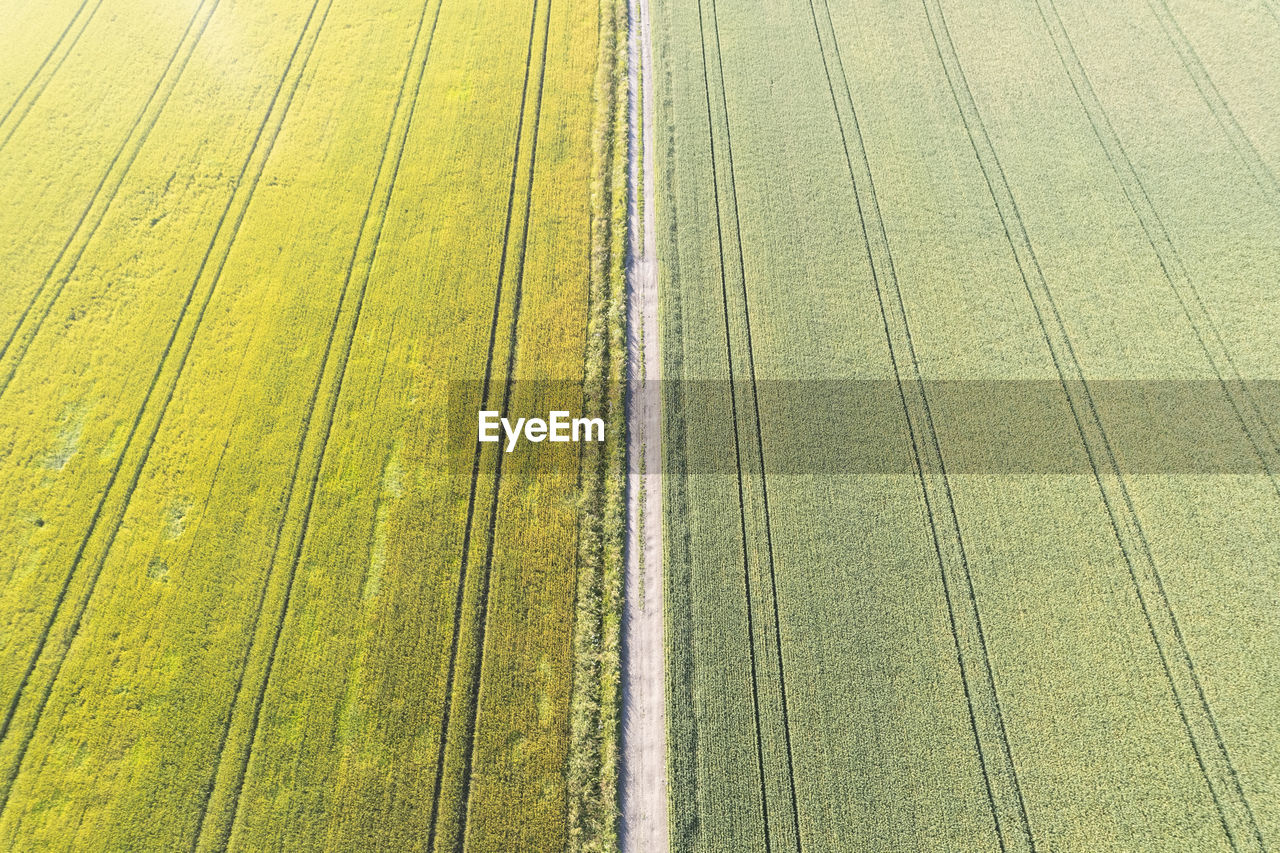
780,828
751,642
477,677
213,830
1245,405
60,271
986,717
759,442
1240,141
185,328
1187,693
62,48
446,719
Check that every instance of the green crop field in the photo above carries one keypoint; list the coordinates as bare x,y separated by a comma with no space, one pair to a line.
1055,196
253,592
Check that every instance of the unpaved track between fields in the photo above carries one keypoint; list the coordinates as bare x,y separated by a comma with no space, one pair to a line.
643,783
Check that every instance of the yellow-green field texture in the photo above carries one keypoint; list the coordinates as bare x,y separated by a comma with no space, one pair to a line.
251,596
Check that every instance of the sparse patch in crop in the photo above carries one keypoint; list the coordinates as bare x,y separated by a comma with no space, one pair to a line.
66,441
158,570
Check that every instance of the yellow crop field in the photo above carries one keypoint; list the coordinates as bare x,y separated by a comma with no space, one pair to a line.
255,591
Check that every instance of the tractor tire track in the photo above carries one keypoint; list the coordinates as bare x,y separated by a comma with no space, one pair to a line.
220,836
756,462
475,674
1247,409
4,120
446,716
1186,691
261,153
477,678
82,236
1262,174
733,403
982,697
759,440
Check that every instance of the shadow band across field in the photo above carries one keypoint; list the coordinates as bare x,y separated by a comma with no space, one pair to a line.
984,427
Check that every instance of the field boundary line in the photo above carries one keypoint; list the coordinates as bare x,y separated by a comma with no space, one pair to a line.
982,697
739,413
40,69
336,385
477,681
1244,147
446,716
680,646
1245,405
593,760
680,643
137,423
137,144
1186,691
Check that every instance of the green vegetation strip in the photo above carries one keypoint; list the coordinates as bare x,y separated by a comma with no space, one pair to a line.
594,715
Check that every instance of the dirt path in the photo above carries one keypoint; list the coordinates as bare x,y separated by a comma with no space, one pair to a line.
644,719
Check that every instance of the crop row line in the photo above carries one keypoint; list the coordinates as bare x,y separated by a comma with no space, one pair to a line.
733,402
759,440
85,20
477,678
1262,175
475,672
259,152
216,835
81,235
729,193
986,716
1186,691
1243,402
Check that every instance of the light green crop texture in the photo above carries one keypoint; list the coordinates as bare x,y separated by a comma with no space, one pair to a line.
915,190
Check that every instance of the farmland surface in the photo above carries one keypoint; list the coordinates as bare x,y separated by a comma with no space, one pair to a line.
1051,196
253,592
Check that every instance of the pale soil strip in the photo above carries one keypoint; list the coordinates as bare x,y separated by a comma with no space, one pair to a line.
643,782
